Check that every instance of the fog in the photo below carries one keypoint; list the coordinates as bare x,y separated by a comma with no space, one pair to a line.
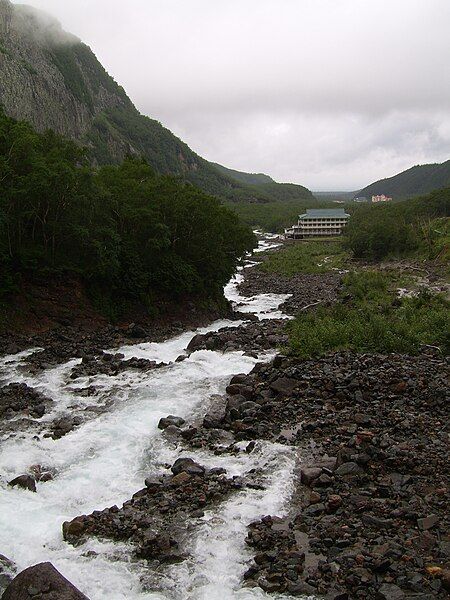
332,94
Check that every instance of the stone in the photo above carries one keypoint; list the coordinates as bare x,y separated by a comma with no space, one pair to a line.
42,581
137,332
336,595
428,522
284,385
188,466
310,474
181,478
170,420
389,591
334,502
26,482
300,587
349,468
195,343
73,528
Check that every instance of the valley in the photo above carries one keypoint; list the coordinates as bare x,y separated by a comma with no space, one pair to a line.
300,464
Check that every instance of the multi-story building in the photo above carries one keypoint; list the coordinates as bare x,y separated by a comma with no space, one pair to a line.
381,198
318,222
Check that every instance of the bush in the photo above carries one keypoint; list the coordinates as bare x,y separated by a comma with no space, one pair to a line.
373,320
397,229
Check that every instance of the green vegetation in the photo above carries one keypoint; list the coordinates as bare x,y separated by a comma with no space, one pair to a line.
271,216
130,234
83,73
416,181
309,256
247,178
26,65
412,227
371,318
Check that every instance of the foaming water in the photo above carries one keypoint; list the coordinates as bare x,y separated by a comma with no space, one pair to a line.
107,458
264,306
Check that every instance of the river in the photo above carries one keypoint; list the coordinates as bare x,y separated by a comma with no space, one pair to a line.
107,458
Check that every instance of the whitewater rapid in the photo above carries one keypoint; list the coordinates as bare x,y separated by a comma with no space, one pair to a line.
105,460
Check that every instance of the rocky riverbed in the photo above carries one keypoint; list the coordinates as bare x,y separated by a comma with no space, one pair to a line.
357,507
371,498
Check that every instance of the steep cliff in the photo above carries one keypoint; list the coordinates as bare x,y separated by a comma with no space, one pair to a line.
51,79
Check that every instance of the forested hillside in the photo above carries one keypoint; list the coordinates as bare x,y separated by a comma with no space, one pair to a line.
54,81
129,233
247,178
417,226
419,180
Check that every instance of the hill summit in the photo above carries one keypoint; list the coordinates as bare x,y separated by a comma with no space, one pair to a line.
416,181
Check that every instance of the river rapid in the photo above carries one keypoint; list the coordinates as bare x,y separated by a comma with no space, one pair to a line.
106,459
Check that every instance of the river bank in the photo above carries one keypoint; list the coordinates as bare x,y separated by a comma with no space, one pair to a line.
306,477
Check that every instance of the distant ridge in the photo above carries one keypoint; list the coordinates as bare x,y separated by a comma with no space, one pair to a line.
416,181
247,178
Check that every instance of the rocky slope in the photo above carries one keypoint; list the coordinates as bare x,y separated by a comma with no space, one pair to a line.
51,79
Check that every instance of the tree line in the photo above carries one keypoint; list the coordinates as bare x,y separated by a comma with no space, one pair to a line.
124,229
417,226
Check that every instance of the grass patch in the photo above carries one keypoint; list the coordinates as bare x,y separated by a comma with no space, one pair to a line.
372,319
307,257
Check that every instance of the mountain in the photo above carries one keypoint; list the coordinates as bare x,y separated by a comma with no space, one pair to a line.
51,79
247,178
416,181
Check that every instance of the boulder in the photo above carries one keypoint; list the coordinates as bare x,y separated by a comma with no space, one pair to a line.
389,591
196,342
187,465
170,420
310,474
284,385
428,522
73,528
26,482
42,581
349,468
136,331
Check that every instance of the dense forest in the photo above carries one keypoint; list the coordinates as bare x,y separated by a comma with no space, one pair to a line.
419,225
128,232
416,181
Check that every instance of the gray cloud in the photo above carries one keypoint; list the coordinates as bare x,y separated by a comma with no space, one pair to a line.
329,93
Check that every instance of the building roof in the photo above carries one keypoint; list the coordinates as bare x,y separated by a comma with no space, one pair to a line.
324,213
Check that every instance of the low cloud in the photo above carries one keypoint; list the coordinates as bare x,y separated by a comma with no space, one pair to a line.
329,93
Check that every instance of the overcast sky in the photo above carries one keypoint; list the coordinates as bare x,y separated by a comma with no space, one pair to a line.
333,94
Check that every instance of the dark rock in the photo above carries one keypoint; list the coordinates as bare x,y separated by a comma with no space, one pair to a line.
137,332
42,581
309,474
428,522
187,465
349,468
27,482
170,420
389,591
74,528
196,342
284,385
